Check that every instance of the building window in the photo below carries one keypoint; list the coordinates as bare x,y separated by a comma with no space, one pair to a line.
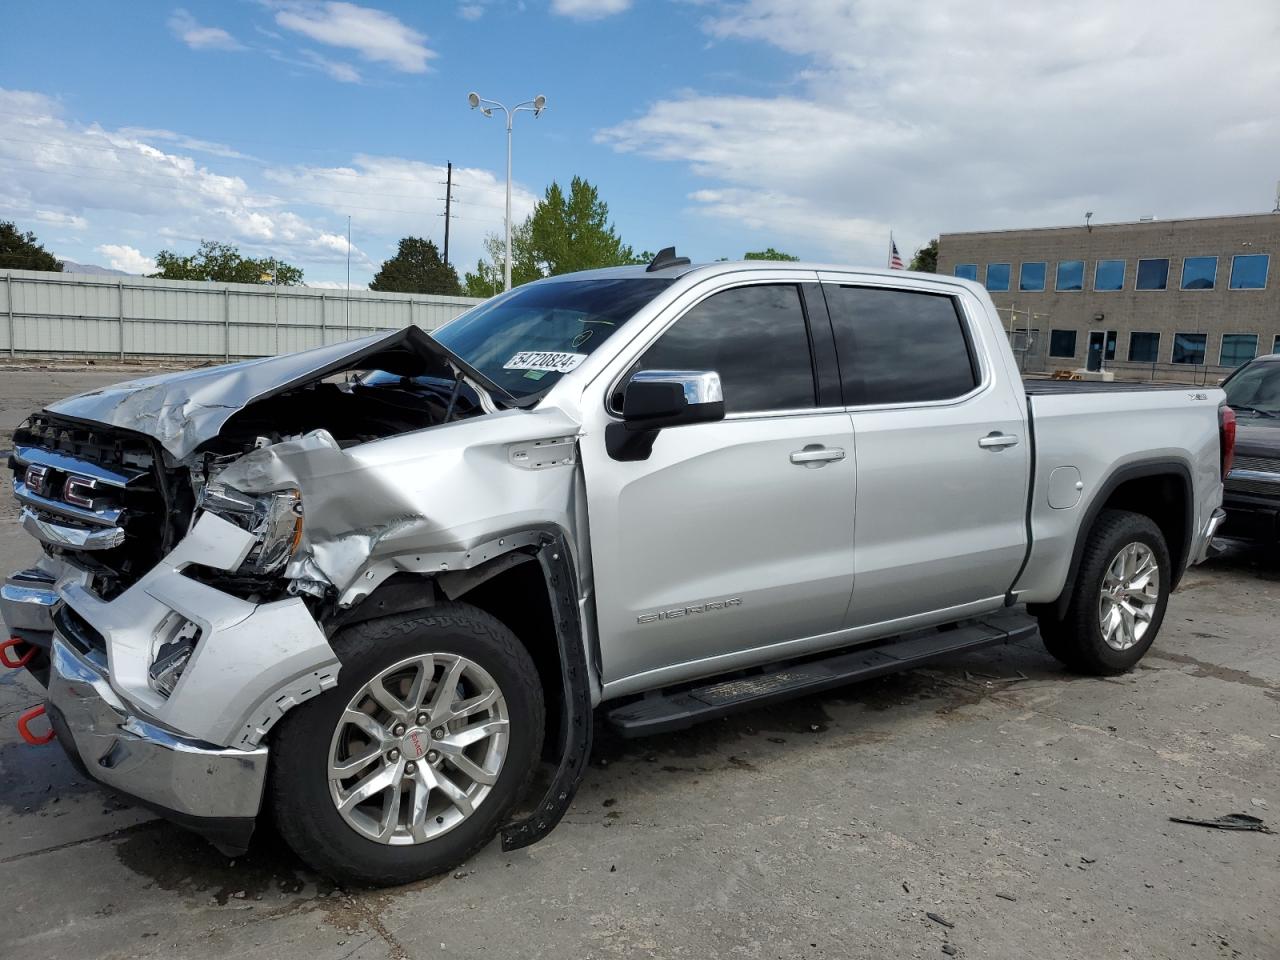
1199,273
1153,274
1070,275
1249,271
1062,343
1144,347
1275,344
1032,276
998,276
1108,275
967,271
1238,348
1189,347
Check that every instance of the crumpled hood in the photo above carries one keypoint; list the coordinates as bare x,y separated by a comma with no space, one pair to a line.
183,410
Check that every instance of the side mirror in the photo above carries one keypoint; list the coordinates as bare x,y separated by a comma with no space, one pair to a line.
654,399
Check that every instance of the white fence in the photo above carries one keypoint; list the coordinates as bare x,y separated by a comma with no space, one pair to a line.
72,314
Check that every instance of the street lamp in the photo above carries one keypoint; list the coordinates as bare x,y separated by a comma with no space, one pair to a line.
534,106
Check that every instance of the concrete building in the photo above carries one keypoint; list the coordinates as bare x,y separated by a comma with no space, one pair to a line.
1161,299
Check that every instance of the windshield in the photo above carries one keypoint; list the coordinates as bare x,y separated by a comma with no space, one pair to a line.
527,341
1255,389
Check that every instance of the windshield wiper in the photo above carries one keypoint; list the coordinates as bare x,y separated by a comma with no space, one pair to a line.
1248,409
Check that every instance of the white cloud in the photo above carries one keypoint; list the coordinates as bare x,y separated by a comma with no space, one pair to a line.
589,9
376,35
397,197
58,219
199,37
342,72
470,11
935,121
126,186
184,142
336,285
126,258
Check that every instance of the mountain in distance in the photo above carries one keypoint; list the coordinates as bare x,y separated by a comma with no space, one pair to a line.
70,266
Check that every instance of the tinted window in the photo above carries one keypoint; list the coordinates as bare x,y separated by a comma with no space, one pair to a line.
569,318
1275,344
899,346
967,271
1238,348
1070,275
1189,347
1062,343
997,276
1144,347
1153,274
1032,276
1256,387
1249,271
754,337
1108,275
1199,273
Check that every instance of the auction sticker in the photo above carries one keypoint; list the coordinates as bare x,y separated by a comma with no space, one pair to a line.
546,361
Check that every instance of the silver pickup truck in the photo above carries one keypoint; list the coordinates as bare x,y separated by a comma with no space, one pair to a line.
377,585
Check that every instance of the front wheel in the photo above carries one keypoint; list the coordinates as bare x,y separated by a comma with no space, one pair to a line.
1121,592
417,757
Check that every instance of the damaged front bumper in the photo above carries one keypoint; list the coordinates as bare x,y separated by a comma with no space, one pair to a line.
215,791
194,755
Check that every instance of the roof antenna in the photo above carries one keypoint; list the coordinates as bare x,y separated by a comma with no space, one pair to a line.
666,258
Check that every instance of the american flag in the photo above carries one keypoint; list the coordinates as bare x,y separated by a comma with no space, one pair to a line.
895,258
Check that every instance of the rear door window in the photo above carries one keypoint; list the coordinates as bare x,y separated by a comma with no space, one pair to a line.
900,346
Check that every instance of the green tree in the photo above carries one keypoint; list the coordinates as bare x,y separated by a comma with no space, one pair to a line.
926,258
574,233
417,268
22,251
768,254
223,262
563,234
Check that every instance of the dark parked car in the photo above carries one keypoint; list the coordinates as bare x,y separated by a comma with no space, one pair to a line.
1252,488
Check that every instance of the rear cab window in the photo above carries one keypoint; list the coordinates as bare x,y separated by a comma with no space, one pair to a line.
900,346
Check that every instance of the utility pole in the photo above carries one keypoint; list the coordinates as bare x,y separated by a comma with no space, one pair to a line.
448,202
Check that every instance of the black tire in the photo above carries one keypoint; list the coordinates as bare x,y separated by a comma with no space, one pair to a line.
1077,640
304,811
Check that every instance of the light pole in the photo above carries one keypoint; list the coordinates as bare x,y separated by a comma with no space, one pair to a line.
534,106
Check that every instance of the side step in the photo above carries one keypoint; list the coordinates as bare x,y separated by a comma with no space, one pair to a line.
665,712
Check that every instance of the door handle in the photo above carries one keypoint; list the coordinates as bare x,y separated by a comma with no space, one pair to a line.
816,455
997,440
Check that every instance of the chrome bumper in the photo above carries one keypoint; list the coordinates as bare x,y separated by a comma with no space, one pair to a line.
27,599
1204,548
215,791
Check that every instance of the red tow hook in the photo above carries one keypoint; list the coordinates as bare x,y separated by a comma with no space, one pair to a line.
10,656
24,727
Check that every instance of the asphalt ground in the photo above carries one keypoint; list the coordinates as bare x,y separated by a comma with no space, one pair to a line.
993,805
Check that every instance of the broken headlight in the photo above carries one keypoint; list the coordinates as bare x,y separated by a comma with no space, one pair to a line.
274,519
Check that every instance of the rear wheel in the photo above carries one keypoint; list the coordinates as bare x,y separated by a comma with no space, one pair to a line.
417,757
1120,595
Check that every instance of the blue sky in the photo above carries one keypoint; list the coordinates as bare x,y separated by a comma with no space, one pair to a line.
814,126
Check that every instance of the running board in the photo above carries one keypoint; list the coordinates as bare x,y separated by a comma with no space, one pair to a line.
664,712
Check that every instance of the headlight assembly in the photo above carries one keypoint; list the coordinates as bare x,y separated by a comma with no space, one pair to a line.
274,519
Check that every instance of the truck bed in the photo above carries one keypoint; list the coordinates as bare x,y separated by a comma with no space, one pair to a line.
1046,387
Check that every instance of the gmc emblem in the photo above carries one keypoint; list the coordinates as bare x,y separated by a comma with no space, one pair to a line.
79,491
35,478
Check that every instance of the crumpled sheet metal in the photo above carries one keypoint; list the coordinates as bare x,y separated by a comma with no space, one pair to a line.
183,410
421,502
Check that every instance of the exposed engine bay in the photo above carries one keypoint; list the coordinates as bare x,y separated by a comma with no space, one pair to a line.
114,500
